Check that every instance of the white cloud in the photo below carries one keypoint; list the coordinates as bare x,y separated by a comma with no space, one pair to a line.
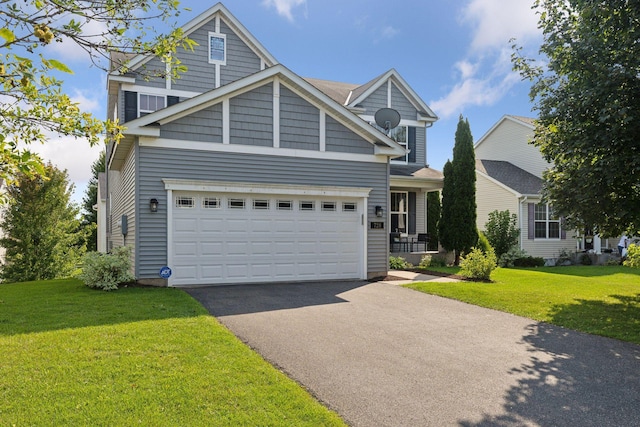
284,7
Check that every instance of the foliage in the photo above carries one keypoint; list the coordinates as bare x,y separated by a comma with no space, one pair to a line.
459,217
445,226
586,91
483,243
143,355
585,259
429,261
433,216
40,228
508,259
529,261
34,105
478,265
564,258
107,271
633,256
502,231
90,216
398,263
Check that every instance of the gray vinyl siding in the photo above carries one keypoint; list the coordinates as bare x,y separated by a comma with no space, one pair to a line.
122,187
401,104
421,145
241,60
158,163
204,126
154,66
376,101
299,122
343,140
251,117
200,75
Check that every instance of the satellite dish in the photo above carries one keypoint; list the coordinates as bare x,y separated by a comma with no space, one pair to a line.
387,118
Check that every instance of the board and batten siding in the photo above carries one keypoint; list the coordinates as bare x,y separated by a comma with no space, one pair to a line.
122,185
204,126
490,197
509,142
299,122
251,117
159,163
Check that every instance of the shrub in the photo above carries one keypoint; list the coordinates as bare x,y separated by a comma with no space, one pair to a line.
398,263
502,231
477,265
633,256
107,271
432,261
564,257
529,261
585,259
508,259
483,243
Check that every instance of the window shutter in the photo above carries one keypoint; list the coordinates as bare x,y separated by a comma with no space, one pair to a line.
532,221
130,106
412,213
172,100
411,144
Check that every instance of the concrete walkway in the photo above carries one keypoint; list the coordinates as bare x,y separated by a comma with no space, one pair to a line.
383,355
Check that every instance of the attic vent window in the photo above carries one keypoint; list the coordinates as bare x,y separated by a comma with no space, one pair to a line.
217,48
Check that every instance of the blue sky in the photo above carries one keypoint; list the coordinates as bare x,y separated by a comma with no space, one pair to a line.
455,55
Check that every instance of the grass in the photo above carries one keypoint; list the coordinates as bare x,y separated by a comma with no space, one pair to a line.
602,300
147,356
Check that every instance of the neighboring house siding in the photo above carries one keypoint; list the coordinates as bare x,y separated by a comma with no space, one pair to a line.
401,104
343,140
299,122
251,117
491,197
241,60
376,101
156,163
509,142
204,125
545,248
123,185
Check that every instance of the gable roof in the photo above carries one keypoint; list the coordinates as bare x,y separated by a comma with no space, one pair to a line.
524,121
510,176
136,61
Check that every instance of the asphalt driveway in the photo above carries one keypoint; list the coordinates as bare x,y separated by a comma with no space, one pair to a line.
382,355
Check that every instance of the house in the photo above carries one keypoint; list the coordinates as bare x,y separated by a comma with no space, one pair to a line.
241,171
509,176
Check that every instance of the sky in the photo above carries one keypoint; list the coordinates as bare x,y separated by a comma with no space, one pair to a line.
454,54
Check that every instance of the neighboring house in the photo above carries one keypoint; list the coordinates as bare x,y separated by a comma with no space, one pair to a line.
509,176
241,171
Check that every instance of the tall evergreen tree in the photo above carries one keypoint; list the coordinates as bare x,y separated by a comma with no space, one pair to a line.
89,216
459,219
433,216
41,228
445,226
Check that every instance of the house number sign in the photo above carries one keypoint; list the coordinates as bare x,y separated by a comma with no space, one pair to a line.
377,225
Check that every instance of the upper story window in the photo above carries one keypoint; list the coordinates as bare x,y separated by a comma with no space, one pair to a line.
217,48
547,223
399,135
150,103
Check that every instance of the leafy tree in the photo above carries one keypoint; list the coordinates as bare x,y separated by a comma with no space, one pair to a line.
459,218
34,104
445,226
502,231
586,90
41,228
433,216
89,216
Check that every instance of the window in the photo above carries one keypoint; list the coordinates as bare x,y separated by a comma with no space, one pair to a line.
260,204
399,211
307,206
150,103
211,203
235,203
547,224
399,135
185,202
349,207
285,205
328,206
217,48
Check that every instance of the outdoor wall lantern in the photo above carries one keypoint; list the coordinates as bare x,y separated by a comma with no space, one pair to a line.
379,211
153,205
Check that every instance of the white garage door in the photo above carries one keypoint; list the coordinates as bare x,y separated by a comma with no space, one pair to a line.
250,238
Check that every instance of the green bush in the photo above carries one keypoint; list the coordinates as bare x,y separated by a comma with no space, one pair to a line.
585,259
633,256
508,258
529,261
432,261
477,265
483,243
398,263
502,231
107,271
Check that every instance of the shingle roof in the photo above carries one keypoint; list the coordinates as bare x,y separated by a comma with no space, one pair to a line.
415,171
510,175
337,91
527,120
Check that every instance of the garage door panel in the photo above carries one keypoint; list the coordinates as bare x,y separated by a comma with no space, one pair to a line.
186,225
186,249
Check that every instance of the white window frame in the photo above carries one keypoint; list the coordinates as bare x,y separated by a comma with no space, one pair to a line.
148,111
405,214
547,221
222,61
185,202
403,160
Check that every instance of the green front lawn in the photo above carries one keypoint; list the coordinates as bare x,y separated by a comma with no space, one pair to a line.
149,356
602,300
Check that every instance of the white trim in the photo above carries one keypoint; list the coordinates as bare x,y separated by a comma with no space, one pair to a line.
158,91
167,78
365,238
262,188
226,121
217,23
217,78
430,184
227,147
217,35
323,131
121,79
276,112
169,233
389,93
140,94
